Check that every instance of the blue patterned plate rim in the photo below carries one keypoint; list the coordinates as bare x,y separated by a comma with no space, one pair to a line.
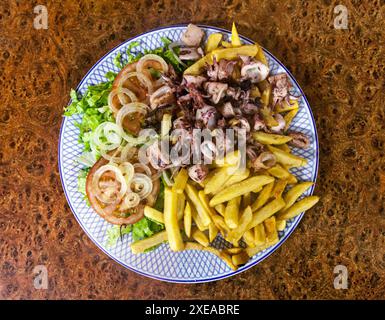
270,249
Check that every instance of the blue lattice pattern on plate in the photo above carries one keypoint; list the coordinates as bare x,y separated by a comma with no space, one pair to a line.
162,263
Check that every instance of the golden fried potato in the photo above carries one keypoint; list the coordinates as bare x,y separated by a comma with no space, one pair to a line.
240,188
298,207
156,239
171,220
266,212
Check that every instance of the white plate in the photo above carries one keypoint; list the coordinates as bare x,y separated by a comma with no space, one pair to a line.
162,263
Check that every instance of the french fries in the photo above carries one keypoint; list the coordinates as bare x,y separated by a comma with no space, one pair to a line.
205,203
236,234
171,220
145,244
266,113
240,258
269,236
220,254
197,219
226,44
284,147
259,235
180,181
260,55
187,219
265,99
221,53
271,230
263,196
286,158
200,237
289,118
213,42
223,255
281,225
235,40
238,176
284,106
213,231
233,251
216,181
231,212
279,172
266,212
192,193
294,193
240,188
221,225
279,187
248,237
231,159
180,206
270,138
233,53
153,214
246,199
197,67
220,208
298,207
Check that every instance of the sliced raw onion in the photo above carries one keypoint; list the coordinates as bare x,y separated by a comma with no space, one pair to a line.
128,171
127,152
122,93
171,48
143,168
141,77
141,66
118,176
141,184
133,107
112,134
113,158
131,200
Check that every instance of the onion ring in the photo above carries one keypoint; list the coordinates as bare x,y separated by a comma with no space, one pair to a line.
142,185
131,200
110,212
143,79
155,62
130,108
120,92
118,176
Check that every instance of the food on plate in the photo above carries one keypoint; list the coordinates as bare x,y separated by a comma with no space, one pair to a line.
192,141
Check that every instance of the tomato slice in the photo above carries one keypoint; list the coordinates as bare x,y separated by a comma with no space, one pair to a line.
112,214
132,124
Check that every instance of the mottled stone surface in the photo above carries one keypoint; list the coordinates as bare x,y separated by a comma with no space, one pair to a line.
341,72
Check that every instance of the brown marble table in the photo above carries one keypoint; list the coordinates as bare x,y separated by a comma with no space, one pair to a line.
341,72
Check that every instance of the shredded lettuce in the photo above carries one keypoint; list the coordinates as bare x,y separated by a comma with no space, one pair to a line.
116,232
118,60
82,177
93,108
131,54
145,228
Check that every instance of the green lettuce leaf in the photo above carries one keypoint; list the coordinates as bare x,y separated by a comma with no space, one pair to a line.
114,233
145,228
